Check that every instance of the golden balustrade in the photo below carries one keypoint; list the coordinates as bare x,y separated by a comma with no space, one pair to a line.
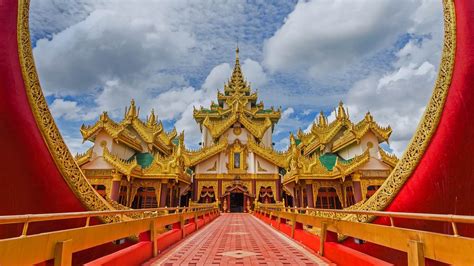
35,248
418,244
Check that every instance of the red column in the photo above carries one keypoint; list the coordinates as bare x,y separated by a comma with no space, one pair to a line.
115,191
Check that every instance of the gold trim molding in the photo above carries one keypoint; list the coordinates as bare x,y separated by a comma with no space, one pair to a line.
63,159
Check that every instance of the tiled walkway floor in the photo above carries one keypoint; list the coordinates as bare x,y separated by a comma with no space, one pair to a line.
239,238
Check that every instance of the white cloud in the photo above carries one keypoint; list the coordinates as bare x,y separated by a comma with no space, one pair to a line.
69,110
323,38
254,73
108,45
76,146
217,77
398,97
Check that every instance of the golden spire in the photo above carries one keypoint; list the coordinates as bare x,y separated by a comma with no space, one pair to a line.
152,118
322,120
181,147
132,111
341,113
236,81
104,117
292,140
369,117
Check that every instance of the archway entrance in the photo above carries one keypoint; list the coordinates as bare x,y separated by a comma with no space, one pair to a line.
236,197
236,202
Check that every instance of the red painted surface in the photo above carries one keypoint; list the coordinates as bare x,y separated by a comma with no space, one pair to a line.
189,228
200,222
167,239
286,229
307,239
133,255
342,255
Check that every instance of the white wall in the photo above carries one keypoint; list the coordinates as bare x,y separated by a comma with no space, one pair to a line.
242,137
102,137
97,163
267,138
122,151
270,167
357,149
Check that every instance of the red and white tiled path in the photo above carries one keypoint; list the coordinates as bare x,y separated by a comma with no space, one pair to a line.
238,238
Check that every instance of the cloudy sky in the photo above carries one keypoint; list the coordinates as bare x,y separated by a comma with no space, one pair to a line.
305,56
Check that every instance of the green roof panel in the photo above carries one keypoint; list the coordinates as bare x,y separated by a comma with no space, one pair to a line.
144,159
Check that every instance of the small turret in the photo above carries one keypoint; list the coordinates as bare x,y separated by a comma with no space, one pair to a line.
132,111
104,117
292,140
369,117
151,120
341,112
322,120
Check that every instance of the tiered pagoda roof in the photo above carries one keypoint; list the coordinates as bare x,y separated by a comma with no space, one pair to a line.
320,166
309,158
323,133
238,103
151,131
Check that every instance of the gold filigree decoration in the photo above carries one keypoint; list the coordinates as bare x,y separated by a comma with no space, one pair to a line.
265,184
208,184
63,159
268,153
231,183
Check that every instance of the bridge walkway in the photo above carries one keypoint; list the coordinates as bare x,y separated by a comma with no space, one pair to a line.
238,239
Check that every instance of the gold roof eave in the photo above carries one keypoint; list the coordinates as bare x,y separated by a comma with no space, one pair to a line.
312,168
83,158
193,157
152,132
124,166
358,131
390,159
278,158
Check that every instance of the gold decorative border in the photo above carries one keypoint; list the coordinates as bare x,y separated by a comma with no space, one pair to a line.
427,127
45,122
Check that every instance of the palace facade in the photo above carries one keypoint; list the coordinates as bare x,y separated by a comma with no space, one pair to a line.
138,164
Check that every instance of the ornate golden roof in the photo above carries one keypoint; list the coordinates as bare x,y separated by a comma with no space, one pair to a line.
323,132
303,167
82,158
162,167
237,104
278,158
171,166
193,157
390,159
123,166
359,130
151,132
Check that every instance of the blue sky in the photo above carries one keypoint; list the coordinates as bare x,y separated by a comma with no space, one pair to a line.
304,56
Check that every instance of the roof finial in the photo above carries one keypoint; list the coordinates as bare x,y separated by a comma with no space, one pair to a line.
237,52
